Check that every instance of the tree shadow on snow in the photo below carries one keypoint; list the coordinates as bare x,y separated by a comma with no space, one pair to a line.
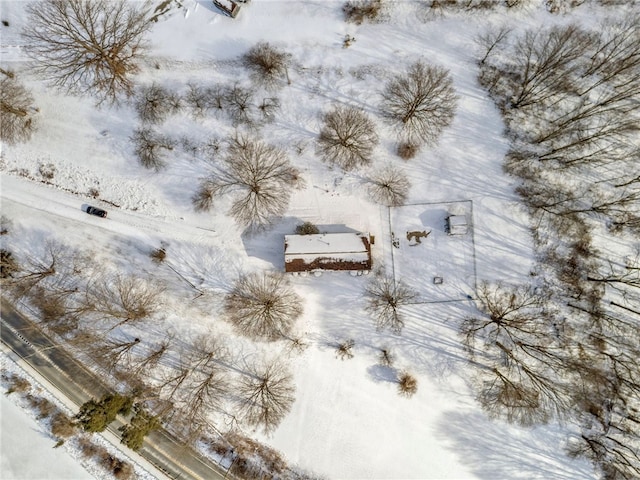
495,450
382,373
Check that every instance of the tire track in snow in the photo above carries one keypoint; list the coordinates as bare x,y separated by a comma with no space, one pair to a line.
64,205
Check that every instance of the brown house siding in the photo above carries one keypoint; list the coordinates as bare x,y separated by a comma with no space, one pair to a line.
326,262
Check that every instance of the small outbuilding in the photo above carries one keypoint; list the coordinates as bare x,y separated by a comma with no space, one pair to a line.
327,251
229,7
457,225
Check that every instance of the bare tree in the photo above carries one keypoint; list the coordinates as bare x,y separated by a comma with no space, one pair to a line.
269,64
197,99
207,383
87,46
55,309
490,40
389,186
203,199
39,269
347,138
554,76
569,99
386,357
8,264
607,445
150,148
175,379
344,349
114,353
259,178
202,99
607,410
16,110
196,384
263,306
545,58
567,202
525,375
153,356
420,102
56,264
123,298
504,307
268,108
385,297
266,393
239,103
620,277
154,103
544,62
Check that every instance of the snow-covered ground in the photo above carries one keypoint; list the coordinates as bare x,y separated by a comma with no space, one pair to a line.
26,449
348,420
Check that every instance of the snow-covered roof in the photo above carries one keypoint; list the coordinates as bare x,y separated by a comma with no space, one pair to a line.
324,244
327,251
457,220
457,224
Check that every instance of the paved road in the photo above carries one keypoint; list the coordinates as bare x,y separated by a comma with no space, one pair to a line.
79,385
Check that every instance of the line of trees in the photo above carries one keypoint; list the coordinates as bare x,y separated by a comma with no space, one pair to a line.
569,98
100,314
568,348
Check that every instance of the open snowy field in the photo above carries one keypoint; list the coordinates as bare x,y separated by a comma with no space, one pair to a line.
348,420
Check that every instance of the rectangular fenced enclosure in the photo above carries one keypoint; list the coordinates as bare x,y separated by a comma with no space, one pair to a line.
437,263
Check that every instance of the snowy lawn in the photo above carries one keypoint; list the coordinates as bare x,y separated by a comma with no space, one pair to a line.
348,420
26,449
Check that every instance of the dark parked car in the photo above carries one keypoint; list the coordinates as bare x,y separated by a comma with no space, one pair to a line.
96,211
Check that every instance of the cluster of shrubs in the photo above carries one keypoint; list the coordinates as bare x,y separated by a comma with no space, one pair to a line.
251,460
359,11
120,469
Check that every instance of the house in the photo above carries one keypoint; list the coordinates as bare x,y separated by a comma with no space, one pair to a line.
229,7
457,225
327,251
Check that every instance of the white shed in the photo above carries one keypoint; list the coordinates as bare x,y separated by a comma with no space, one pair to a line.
457,225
